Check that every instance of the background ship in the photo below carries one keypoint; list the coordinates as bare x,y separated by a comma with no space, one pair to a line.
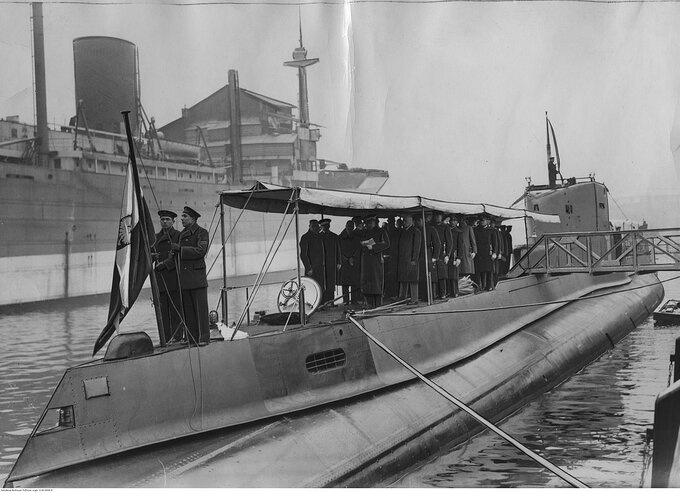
60,187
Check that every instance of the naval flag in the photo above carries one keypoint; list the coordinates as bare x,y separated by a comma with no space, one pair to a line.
133,257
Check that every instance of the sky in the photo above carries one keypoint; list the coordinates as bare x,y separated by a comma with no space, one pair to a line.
449,97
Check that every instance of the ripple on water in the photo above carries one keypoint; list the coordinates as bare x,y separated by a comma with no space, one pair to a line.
19,432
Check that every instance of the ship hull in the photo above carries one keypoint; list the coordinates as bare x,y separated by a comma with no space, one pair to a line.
60,226
360,424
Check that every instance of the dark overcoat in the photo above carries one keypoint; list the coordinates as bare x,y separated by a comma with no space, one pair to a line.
408,253
458,247
372,268
433,246
469,246
391,256
498,248
486,238
165,267
331,251
193,241
313,257
507,240
350,252
446,240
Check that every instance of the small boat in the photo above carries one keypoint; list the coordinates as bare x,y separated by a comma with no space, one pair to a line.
668,313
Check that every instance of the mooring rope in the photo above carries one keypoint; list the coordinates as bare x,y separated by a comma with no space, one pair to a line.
571,480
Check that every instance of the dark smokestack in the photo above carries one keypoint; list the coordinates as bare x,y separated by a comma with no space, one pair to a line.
235,126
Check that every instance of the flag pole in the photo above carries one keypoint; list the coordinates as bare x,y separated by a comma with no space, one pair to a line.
141,207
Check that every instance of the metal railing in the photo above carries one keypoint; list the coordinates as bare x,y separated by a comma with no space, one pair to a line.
642,250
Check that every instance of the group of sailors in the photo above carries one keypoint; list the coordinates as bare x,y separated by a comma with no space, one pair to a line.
372,262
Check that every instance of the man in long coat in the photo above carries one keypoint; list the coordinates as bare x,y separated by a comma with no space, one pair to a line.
331,247
191,250
486,240
391,257
507,236
350,269
446,240
374,241
454,259
408,253
166,272
469,245
432,246
312,254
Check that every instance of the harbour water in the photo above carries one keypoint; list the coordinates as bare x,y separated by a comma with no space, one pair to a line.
593,425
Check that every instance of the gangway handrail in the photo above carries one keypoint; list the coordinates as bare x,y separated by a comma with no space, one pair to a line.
634,250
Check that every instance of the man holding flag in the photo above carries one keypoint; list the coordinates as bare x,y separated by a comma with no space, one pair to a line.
190,251
166,271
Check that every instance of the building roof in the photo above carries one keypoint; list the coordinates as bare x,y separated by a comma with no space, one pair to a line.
269,100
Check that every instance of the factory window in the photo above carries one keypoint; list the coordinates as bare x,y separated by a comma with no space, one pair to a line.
569,208
57,163
536,207
15,133
104,168
325,361
190,178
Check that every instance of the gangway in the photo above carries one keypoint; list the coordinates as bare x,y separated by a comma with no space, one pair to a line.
640,250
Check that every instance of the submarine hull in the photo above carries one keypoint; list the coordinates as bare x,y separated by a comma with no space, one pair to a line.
371,437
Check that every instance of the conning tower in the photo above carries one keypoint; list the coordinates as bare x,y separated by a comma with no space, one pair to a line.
581,203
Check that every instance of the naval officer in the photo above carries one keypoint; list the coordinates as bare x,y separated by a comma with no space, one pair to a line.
191,250
332,262
313,255
166,271
373,242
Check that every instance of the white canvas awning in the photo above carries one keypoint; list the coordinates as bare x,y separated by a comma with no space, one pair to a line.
268,198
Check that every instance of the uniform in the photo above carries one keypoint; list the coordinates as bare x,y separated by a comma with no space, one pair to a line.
331,251
193,246
408,252
469,245
391,259
372,268
168,286
350,266
313,257
486,239
446,240
454,271
433,247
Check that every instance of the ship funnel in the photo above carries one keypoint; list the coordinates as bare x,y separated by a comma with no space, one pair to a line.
106,82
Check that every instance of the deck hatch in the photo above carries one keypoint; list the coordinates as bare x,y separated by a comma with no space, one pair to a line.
326,360
96,387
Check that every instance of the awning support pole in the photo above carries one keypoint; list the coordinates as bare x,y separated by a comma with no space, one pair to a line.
428,275
301,297
223,294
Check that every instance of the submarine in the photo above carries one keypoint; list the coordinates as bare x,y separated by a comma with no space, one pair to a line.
314,401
